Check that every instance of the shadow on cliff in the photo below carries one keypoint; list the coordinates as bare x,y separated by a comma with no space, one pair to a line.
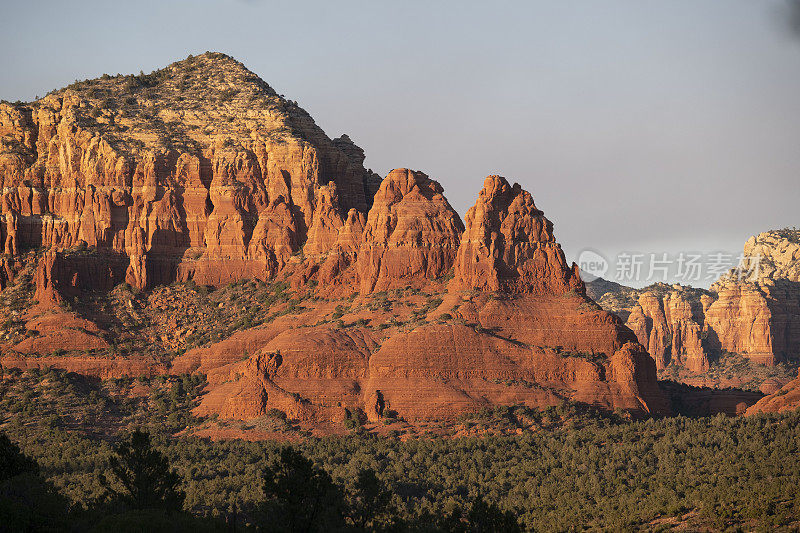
785,309
495,331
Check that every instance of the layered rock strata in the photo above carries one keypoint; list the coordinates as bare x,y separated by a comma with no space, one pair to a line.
534,339
754,310
757,312
671,326
201,172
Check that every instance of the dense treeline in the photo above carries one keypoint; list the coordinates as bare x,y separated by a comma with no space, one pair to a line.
603,473
144,493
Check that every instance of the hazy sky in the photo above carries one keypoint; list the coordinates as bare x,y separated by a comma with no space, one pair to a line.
646,126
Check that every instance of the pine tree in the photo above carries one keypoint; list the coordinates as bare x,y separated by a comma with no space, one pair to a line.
144,475
369,503
300,496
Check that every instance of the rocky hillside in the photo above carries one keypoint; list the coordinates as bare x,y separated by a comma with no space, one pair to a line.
612,296
192,220
199,170
787,398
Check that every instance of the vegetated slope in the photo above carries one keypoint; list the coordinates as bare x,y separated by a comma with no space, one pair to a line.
711,473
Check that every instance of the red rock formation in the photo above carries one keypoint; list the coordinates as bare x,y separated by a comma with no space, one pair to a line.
73,344
68,273
94,366
433,371
230,193
754,310
472,369
568,321
785,399
740,320
509,245
202,172
326,223
6,271
323,367
536,341
685,327
671,325
757,312
334,269
411,234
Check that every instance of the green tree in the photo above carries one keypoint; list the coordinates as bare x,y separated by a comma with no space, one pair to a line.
482,518
488,518
144,479
369,503
300,496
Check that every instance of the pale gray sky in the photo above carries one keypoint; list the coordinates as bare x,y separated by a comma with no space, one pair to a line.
638,125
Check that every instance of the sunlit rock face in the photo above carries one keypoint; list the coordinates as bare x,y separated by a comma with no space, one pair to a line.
753,310
201,172
509,246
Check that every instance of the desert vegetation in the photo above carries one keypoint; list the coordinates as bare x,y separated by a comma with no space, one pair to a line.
566,467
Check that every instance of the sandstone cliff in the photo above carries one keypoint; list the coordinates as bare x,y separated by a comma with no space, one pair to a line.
787,398
199,170
757,312
753,310
411,234
670,322
509,246
372,296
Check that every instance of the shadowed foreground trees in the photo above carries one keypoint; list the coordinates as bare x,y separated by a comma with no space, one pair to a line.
12,461
482,517
603,473
142,477
300,497
487,517
369,504
143,493
27,502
